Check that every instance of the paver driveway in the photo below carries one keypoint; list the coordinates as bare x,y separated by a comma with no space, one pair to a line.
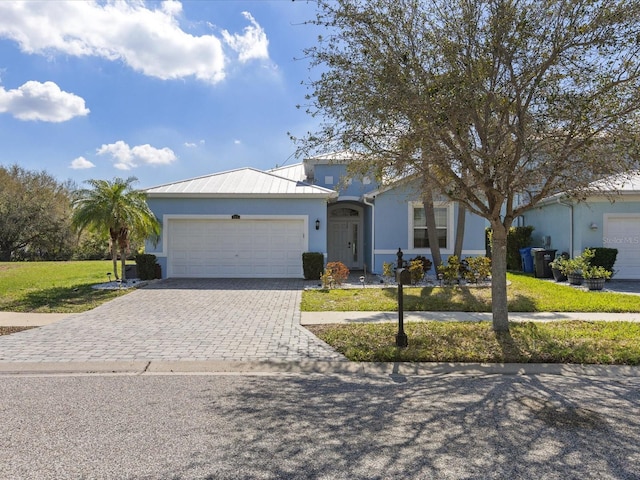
203,319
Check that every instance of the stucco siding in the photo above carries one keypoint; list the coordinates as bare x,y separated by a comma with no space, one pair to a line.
337,173
312,209
392,228
554,220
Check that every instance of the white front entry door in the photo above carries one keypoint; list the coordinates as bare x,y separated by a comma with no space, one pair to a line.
345,243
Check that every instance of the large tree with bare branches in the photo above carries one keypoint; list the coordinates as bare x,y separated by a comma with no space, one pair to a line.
495,103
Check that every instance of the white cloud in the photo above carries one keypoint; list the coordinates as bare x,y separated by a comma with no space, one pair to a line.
127,158
81,163
252,44
237,142
149,40
41,101
194,144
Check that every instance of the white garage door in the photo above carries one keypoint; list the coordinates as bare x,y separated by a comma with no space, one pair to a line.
235,248
623,232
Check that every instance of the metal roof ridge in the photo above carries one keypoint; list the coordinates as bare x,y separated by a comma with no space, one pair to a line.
201,177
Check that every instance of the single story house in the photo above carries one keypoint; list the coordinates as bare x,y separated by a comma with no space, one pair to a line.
252,223
570,226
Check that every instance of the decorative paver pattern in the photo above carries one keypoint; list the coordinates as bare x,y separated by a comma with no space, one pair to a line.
180,319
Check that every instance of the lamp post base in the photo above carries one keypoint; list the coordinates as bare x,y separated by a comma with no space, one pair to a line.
402,340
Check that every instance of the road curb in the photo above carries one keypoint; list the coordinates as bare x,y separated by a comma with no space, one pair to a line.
55,368
311,367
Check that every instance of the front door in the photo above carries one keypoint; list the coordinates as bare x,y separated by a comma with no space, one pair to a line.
345,237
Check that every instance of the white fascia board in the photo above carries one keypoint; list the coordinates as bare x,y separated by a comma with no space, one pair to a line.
242,195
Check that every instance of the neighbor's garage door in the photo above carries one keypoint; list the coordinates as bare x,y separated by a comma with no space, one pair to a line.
235,248
623,232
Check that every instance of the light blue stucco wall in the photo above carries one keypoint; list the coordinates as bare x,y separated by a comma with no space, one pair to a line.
392,220
554,220
338,172
314,209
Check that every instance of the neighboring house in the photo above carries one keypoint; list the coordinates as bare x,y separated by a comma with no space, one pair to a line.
252,223
569,226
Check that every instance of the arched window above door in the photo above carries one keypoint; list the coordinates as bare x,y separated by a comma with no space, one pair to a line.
345,212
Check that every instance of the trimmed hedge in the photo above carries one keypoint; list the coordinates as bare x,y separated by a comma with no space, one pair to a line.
517,238
604,257
312,265
146,266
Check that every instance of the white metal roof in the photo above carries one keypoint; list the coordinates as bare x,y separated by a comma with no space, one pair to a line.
244,182
292,172
625,184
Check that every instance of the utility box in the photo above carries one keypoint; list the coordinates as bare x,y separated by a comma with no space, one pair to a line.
403,276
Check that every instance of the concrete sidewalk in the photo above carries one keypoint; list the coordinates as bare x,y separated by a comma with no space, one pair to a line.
317,318
13,319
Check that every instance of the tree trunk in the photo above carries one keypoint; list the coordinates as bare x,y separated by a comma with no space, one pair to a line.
123,260
123,243
462,214
114,258
432,233
499,306
5,255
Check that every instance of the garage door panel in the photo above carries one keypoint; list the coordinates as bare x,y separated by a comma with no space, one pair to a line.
235,248
623,233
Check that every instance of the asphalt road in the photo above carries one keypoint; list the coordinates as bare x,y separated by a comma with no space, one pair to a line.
281,426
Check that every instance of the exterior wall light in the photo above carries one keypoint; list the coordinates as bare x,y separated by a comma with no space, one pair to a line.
318,224
593,226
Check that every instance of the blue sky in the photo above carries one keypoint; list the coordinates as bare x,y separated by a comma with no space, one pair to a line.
162,91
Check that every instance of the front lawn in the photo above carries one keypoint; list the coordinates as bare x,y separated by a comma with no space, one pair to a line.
54,287
525,294
607,343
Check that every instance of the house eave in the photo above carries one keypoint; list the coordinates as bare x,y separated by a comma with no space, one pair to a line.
242,195
594,196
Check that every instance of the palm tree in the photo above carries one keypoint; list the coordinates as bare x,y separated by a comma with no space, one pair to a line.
115,206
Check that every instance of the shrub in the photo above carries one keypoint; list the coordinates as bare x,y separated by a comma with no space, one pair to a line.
451,271
517,238
387,269
426,263
596,272
479,268
336,272
312,264
591,270
146,266
416,270
604,257
562,263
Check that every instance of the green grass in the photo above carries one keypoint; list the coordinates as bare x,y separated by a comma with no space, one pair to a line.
608,343
525,294
54,287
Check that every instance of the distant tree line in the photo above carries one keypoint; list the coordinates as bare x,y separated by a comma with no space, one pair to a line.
36,220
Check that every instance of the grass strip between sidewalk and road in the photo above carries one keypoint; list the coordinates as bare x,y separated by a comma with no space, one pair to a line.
605,343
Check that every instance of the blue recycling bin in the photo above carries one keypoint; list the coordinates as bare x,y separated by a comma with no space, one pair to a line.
527,260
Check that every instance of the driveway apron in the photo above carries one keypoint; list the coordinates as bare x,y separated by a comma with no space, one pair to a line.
180,319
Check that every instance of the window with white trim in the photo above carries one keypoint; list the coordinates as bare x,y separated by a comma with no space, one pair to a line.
419,225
